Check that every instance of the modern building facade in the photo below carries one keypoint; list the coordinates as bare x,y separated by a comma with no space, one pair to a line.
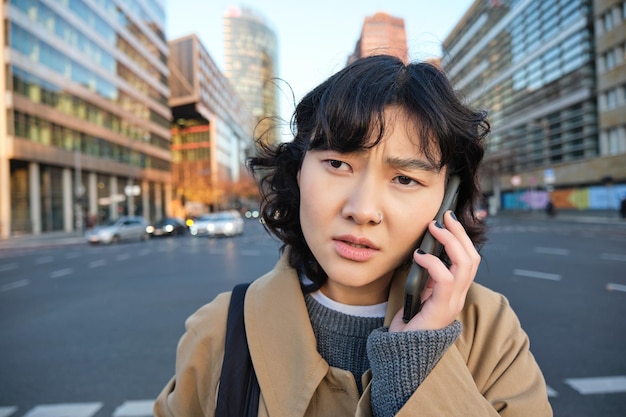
84,120
532,65
212,132
610,40
381,34
251,65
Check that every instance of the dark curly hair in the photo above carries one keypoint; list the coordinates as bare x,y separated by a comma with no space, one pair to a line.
345,114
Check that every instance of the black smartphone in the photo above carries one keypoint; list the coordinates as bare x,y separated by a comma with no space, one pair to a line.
418,277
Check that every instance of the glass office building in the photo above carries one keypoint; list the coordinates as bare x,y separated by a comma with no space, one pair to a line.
251,65
531,65
85,119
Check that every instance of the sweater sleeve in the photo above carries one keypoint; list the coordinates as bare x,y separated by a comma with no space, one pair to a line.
400,361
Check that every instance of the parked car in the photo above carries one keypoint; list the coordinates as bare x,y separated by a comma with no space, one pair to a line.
223,223
123,228
168,226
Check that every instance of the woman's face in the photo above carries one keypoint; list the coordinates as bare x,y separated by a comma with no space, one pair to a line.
342,197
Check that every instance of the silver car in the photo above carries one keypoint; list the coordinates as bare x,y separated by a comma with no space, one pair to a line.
123,228
222,223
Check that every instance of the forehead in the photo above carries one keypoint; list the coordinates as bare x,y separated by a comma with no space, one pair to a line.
402,133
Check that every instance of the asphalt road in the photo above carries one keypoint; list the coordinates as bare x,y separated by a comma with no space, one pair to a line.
92,330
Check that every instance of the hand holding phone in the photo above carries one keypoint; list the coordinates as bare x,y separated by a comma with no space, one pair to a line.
418,277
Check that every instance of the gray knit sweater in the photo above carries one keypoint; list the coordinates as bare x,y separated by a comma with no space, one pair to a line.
399,361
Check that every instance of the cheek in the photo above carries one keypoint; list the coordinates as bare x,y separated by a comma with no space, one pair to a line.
311,202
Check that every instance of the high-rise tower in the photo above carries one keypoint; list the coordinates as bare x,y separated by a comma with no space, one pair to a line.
382,34
251,65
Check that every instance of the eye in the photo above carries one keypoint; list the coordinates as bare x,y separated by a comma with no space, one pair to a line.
337,164
404,180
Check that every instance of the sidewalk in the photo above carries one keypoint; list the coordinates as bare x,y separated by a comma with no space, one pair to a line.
571,216
42,240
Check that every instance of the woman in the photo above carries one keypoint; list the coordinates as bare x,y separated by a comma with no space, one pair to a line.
350,198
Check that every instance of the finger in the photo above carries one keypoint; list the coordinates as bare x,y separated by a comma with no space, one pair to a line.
457,229
460,256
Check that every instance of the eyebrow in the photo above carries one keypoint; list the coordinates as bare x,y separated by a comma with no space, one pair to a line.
410,163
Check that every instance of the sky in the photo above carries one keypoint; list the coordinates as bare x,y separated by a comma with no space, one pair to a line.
316,37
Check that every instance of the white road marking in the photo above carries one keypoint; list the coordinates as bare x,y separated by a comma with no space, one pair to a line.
61,272
615,287
99,262
43,260
537,274
598,385
552,251
7,411
7,267
141,408
551,391
12,286
251,253
613,257
65,410
122,257
72,255
144,252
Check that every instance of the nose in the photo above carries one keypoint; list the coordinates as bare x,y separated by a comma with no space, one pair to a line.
362,205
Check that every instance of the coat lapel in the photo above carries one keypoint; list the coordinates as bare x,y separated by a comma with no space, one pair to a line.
279,331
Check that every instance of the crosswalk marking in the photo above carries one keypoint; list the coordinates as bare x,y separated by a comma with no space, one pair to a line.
61,272
537,274
613,257
65,410
552,251
7,411
12,286
95,264
615,287
598,385
141,408
7,267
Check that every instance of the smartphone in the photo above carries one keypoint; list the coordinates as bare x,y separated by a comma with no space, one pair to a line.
418,277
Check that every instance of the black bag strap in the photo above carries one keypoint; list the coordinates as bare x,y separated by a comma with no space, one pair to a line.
239,390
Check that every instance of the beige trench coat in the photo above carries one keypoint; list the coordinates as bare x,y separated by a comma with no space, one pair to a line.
489,371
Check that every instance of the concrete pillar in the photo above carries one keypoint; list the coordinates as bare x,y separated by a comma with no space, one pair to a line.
34,187
67,192
168,200
130,196
145,199
158,200
92,193
113,204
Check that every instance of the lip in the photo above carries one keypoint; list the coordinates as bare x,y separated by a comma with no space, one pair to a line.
344,246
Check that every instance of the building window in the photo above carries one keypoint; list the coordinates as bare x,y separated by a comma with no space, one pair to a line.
608,20
611,99
609,60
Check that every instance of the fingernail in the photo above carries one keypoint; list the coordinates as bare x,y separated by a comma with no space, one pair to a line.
420,251
453,215
438,224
